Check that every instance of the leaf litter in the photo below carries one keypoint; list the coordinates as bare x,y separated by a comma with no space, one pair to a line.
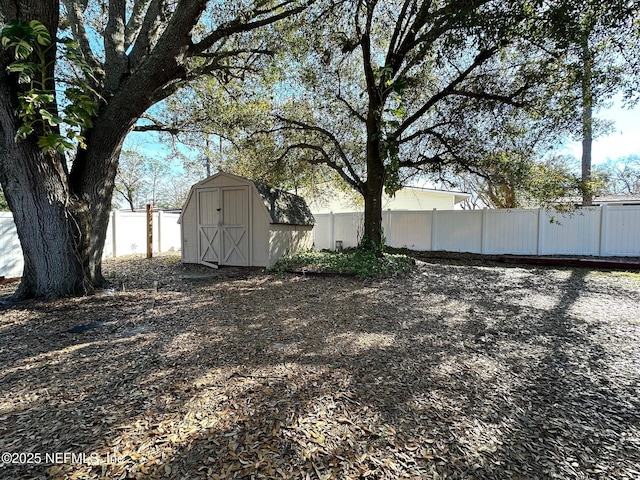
460,370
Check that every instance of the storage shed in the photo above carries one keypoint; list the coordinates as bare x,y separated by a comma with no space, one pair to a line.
230,220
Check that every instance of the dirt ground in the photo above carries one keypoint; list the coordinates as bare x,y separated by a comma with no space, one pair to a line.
460,370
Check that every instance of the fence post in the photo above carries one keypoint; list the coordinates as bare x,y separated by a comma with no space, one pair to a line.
114,236
149,230
434,230
604,217
160,231
483,232
331,239
541,231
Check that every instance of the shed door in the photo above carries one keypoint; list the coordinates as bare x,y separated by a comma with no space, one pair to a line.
209,219
235,226
223,226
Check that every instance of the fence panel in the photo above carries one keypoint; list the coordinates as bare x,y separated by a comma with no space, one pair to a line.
621,230
409,230
590,231
512,231
169,236
458,230
575,233
323,231
131,233
127,233
11,262
347,227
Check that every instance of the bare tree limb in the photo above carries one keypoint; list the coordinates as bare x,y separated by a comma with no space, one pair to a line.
482,57
239,24
356,183
134,24
330,136
75,14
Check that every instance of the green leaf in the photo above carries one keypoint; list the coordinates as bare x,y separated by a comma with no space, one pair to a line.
40,32
22,50
54,142
52,119
38,104
23,132
23,36
26,70
37,98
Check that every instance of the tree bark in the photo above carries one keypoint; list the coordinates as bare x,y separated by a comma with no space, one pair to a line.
51,224
587,122
374,184
373,209
51,227
61,216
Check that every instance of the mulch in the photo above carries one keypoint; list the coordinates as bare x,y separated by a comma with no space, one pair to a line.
461,369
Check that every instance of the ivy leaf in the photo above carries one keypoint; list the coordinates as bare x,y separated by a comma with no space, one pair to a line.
23,132
40,32
26,70
54,142
52,119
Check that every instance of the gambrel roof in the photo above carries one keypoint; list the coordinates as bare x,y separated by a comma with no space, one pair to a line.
285,207
282,207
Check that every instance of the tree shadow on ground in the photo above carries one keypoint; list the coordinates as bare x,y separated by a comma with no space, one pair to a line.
453,371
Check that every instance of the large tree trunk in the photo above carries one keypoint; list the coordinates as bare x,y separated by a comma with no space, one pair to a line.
375,183
62,217
92,180
587,122
373,208
52,225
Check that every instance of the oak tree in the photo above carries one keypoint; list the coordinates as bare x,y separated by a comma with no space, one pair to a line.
595,47
384,89
122,57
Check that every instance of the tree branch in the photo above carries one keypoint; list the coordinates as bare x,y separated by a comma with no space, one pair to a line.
75,13
356,183
326,133
116,61
148,33
134,24
506,99
482,57
353,111
239,25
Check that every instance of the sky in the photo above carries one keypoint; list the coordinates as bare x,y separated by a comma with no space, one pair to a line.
624,141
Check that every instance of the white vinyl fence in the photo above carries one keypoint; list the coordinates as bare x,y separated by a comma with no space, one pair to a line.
10,250
597,231
126,235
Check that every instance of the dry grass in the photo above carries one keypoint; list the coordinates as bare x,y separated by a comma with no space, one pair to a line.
456,371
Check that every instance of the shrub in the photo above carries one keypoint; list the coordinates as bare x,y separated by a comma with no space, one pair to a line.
363,263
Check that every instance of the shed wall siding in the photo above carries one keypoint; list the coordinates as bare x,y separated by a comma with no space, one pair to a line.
189,227
260,233
288,240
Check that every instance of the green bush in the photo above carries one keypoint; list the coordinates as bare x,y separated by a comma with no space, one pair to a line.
363,263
